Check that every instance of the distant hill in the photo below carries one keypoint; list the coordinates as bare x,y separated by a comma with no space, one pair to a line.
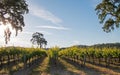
109,45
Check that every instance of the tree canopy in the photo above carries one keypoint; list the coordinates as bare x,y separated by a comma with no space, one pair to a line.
11,12
38,38
108,12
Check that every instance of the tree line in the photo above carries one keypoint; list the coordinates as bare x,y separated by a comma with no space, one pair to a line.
103,45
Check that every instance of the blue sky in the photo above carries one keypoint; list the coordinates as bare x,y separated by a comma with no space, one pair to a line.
63,23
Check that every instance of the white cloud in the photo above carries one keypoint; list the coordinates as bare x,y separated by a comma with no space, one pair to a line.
45,32
75,42
30,33
53,27
44,14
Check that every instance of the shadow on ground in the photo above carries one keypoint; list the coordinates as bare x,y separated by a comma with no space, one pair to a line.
59,68
86,70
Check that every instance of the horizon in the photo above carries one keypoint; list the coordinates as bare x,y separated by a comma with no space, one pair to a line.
33,46
63,23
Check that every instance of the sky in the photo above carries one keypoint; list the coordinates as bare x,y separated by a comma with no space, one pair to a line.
64,23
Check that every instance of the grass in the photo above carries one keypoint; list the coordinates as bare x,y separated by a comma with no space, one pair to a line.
104,70
63,67
42,69
71,68
11,68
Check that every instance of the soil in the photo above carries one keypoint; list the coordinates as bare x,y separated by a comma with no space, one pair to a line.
45,66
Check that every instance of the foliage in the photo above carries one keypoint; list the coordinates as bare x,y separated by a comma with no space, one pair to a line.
38,38
91,53
24,54
103,45
108,12
53,52
11,12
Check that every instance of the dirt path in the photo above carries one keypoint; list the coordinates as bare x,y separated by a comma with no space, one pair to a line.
27,71
50,68
59,69
62,67
10,68
42,68
91,69
80,70
71,70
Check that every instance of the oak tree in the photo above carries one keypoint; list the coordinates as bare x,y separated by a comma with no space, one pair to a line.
38,38
108,12
11,12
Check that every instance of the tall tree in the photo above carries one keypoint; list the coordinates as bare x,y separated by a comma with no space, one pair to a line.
11,12
44,42
38,38
108,12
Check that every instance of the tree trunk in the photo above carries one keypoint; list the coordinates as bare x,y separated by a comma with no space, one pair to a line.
40,45
119,59
8,59
106,62
84,60
0,61
25,62
99,59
